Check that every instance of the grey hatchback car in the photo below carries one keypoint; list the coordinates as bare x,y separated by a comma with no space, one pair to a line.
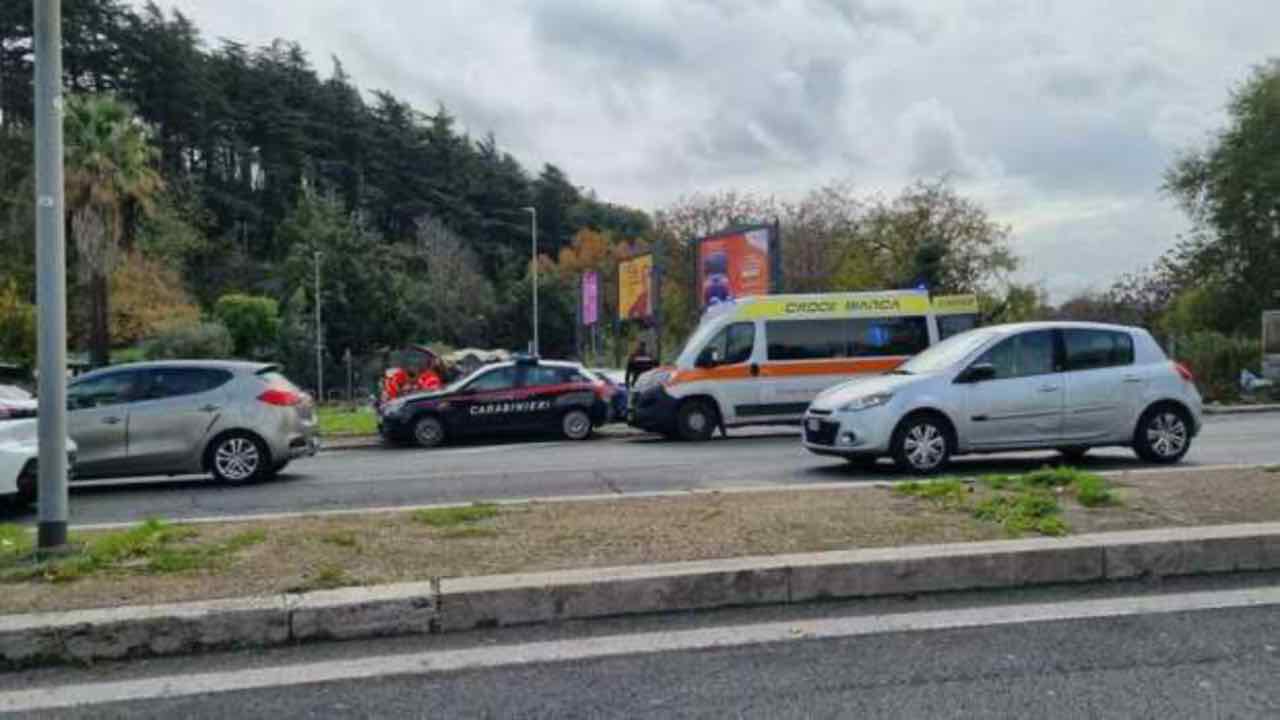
241,421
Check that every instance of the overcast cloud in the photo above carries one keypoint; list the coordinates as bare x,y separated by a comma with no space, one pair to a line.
1059,115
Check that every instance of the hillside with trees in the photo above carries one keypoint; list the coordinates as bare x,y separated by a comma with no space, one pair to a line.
222,169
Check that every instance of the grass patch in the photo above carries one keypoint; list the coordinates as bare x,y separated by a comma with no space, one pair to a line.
346,421
947,492
469,532
1020,504
455,516
1092,491
153,547
15,541
1272,469
1023,512
341,538
329,576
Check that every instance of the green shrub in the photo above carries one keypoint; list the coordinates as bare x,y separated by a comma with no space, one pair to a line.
254,322
1092,491
1216,361
197,341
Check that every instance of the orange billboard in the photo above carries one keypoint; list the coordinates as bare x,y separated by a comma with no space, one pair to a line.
634,288
734,265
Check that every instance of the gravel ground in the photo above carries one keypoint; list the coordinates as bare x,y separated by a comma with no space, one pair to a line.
307,553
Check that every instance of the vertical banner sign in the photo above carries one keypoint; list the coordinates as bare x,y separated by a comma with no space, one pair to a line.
635,301
590,298
735,264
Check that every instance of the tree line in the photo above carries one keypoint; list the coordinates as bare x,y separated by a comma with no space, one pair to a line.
243,162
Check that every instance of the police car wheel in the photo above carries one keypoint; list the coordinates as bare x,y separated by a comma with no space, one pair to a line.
576,424
428,431
697,421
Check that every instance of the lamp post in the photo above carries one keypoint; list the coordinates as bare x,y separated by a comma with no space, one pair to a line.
319,338
51,277
533,228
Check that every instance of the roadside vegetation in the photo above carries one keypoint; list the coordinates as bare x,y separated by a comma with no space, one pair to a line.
1021,504
160,562
154,547
345,420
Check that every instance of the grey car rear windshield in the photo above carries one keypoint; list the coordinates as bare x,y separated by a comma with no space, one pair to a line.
947,353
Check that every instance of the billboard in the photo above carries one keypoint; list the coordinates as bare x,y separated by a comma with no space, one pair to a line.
736,264
590,297
634,286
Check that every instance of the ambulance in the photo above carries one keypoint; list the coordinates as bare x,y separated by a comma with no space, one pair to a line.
762,360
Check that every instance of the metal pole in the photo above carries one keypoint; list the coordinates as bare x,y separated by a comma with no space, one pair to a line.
51,277
319,337
533,213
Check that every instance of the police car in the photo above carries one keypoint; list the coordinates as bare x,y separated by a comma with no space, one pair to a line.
526,395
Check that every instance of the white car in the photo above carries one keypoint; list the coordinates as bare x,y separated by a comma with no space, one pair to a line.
1026,386
19,451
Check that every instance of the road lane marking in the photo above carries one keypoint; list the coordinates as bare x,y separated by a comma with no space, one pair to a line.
606,494
559,651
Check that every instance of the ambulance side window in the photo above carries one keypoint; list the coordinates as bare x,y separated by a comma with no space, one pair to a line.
730,346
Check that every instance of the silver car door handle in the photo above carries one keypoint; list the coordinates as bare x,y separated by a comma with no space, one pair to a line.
1049,388
1132,379
111,420
210,408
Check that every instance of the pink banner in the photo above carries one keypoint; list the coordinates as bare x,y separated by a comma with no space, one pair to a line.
590,298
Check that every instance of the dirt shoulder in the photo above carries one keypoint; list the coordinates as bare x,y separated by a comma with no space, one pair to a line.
163,563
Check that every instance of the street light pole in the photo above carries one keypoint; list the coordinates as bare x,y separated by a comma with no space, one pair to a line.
319,337
533,226
51,277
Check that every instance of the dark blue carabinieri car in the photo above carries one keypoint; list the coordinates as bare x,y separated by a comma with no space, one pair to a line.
523,396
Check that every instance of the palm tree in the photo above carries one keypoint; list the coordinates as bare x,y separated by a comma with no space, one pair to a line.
111,183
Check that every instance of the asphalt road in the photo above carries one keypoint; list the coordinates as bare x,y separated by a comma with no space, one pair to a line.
387,477
1206,648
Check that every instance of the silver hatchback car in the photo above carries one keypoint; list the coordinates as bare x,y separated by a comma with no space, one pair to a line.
241,421
1026,386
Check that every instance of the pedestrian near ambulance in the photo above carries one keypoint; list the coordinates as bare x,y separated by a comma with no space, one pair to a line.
639,363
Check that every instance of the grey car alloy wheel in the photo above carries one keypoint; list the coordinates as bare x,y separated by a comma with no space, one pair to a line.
1167,435
237,459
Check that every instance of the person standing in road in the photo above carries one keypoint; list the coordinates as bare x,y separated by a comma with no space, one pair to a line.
638,363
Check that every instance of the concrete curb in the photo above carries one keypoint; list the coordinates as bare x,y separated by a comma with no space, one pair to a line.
1240,409
458,604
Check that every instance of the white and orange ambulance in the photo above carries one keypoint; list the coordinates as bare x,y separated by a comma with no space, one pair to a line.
762,360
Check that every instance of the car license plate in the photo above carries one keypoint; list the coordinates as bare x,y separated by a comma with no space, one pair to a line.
812,424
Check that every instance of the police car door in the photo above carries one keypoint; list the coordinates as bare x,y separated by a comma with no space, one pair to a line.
487,403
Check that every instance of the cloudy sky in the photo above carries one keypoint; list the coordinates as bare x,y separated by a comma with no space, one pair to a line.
1059,115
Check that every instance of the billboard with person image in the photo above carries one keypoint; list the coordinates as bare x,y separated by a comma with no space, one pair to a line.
736,264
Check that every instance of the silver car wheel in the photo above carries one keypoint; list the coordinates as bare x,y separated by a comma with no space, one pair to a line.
925,446
576,425
1167,434
237,459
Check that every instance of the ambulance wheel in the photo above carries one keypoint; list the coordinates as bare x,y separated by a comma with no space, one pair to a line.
428,431
696,420
576,424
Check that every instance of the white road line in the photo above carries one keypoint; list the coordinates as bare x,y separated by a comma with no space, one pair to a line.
604,496
68,696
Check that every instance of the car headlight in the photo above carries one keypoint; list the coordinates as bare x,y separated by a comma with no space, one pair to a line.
651,378
393,408
866,402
